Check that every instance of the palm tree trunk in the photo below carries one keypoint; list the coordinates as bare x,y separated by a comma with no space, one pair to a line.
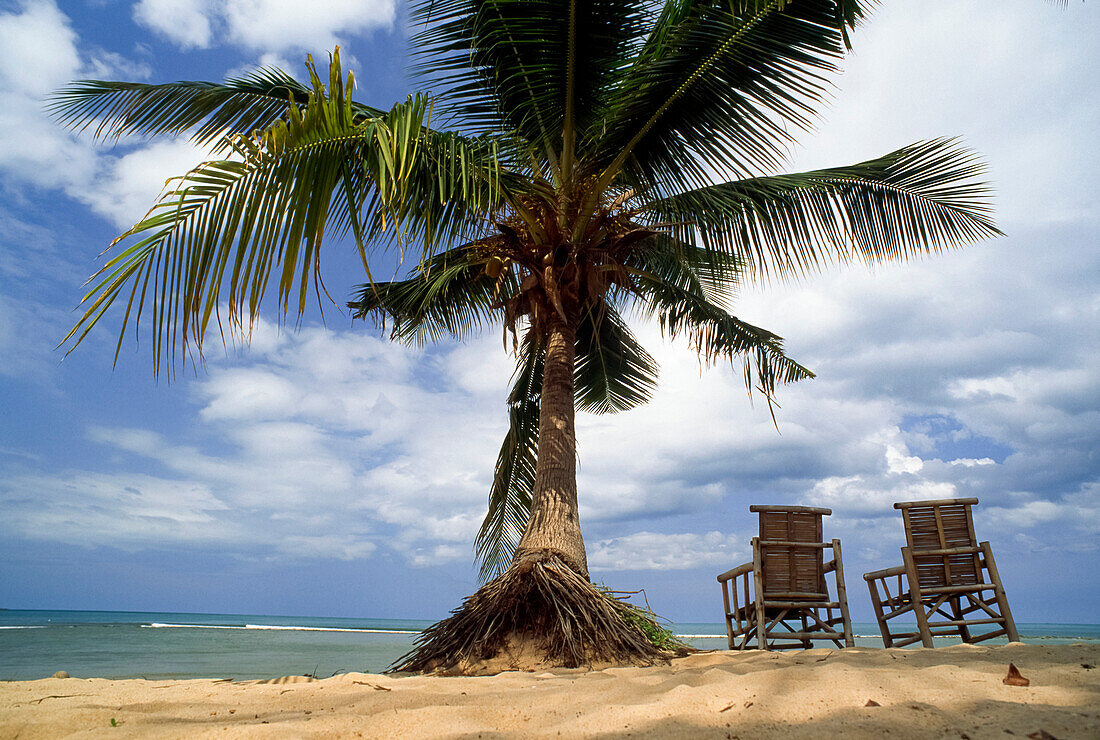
555,525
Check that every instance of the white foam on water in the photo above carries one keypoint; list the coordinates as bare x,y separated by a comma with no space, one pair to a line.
290,627
23,627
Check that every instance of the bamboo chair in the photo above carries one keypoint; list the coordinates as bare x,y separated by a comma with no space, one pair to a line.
789,606
943,575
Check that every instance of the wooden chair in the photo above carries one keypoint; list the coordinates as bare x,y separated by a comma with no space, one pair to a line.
789,606
942,574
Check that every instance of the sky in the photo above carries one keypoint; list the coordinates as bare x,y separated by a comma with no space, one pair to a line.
322,470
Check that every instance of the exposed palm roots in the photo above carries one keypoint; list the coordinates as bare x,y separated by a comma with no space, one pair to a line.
539,607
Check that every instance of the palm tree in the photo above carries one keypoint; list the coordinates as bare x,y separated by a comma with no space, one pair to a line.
583,161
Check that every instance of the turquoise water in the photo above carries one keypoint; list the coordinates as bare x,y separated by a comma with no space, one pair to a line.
160,645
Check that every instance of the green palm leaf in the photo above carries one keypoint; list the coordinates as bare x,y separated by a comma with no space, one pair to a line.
534,67
669,286
915,200
448,295
707,273
240,105
717,85
236,223
612,372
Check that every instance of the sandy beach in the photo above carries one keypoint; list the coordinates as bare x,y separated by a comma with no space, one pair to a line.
954,692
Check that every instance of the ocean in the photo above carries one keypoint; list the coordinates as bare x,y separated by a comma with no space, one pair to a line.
164,645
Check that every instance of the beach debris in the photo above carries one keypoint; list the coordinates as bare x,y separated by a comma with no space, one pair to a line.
374,686
1041,734
41,699
61,674
1014,678
872,703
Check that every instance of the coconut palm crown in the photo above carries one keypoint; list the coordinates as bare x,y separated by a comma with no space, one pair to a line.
576,163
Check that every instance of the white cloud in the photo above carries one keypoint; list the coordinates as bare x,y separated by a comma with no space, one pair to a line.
315,460
898,462
656,551
34,151
427,557
39,49
104,65
272,59
326,546
960,75
863,495
250,393
127,510
271,26
1029,514
277,25
126,186
186,22
971,462
42,53
966,388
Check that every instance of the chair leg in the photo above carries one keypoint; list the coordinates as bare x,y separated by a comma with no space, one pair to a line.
916,598
758,585
842,596
883,626
999,592
958,616
726,604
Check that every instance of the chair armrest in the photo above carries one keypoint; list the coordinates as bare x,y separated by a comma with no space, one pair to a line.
739,570
884,573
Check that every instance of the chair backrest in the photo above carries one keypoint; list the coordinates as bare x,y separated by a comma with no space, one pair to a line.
944,524
790,571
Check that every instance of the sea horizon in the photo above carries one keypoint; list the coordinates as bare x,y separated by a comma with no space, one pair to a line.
35,643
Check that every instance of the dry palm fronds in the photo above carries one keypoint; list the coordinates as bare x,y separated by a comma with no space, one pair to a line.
541,602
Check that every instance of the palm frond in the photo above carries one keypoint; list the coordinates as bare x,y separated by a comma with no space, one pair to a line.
709,273
716,334
535,67
448,295
717,85
514,474
612,371
240,105
236,223
919,199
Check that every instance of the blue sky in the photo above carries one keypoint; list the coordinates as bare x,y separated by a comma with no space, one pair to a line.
326,471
